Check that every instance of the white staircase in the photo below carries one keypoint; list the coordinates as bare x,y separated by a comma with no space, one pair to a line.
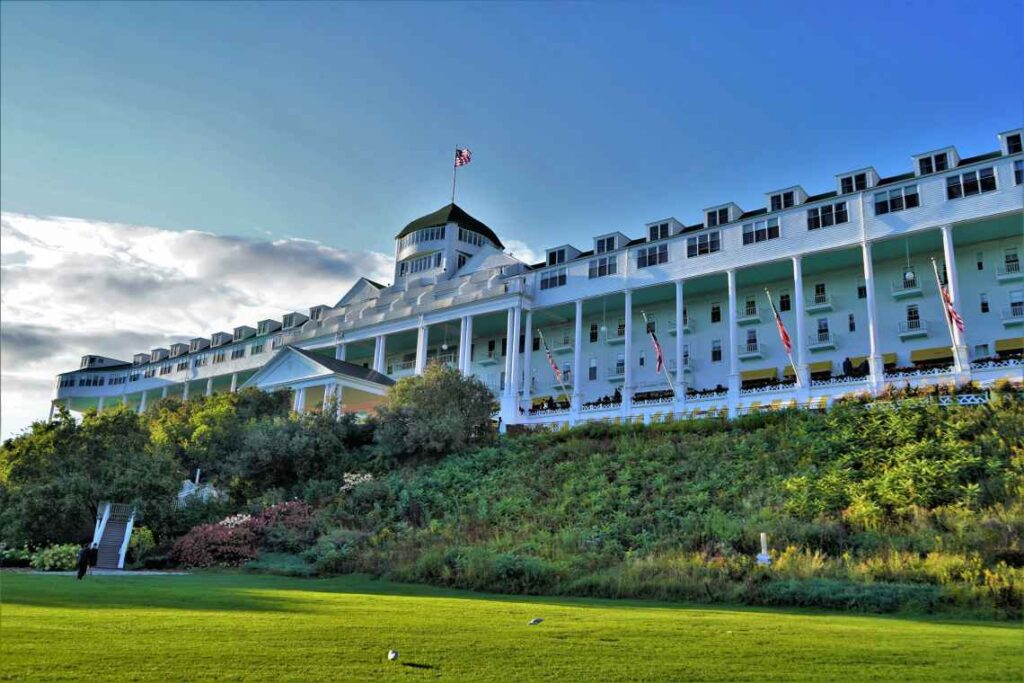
114,522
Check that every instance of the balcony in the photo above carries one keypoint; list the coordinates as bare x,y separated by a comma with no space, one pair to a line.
687,329
909,329
750,350
749,315
687,367
401,366
906,288
560,344
822,341
1009,271
819,303
616,337
1013,315
616,373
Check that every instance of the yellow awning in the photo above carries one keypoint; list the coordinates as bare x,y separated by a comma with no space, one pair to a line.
887,359
539,400
1012,344
766,373
935,353
821,366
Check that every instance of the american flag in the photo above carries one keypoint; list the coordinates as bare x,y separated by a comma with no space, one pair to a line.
950,311
553,364
659,357
787,343
462,157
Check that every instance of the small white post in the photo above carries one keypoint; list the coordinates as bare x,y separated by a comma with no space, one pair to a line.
764,559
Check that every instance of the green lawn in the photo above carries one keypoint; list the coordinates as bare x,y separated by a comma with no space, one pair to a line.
246,627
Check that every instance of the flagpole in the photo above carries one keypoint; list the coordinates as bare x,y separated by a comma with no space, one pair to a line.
664,366
558,374
946,317
455,168
789,354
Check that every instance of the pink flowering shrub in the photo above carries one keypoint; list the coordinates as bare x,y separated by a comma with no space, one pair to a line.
236,539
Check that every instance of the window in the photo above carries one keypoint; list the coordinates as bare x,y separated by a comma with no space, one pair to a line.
1013,144
913,316
750,305
1018,172
896,200
536,343
425,235
784,301
851,323
652,256
856,182
552,278
657,232
238,353
593,332
718,217
970,183
199,362
1017,302
470,237
652,326
490,348
461,260
822,327
600,267
752,339
420,264
182,365
820,295
862,291
716,350
783,200
522,343
620,329
981,261
980,351
716,313
932,164
605,244
592,370
165,370
556,256
642,359
566,372
761,231
620,363
708,243
219,357
255,349
824,216
983,300
504,346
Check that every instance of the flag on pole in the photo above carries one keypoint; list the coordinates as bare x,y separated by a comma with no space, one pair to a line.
783,334
462,157
659,357
551,361
951,313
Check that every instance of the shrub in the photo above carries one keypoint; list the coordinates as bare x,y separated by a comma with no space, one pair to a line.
845,595
15,557
212,545
55,558
141,544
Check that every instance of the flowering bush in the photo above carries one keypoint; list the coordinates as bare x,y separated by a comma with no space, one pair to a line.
354,479
235,520
212,545
56,558
294,515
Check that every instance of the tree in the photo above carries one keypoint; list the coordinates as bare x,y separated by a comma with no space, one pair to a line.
436,413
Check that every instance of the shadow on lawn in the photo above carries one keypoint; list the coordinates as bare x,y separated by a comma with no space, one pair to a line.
216,591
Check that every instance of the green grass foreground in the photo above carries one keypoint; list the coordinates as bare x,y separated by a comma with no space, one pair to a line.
249,627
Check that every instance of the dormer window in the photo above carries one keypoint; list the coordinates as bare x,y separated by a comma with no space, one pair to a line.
556,256
782,200
933,163
853,183
1013,144
605,244
718,217
657,232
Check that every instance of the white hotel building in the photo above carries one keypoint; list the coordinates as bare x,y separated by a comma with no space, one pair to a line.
850,270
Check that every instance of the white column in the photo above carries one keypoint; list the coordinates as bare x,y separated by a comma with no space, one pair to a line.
339,351
962,360
577,359
299,402
53,407
234,382
680,344
209,386
509,323
163,392
124,400
627,383
734,355
100,405
801,338
379,353
421,348
142,403
512,381
328,397
527,359
875,365
467,324
184,391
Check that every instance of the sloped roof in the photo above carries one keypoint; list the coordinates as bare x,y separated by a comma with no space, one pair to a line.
345,368
452,213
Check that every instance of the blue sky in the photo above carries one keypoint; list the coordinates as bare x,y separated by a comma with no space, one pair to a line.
336,122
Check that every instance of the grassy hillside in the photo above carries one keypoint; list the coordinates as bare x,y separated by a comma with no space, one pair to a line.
229,627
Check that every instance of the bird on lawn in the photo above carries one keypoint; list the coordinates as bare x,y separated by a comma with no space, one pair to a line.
392,655
535,621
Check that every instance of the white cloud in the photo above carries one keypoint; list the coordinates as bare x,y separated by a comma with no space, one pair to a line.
522,251
72,287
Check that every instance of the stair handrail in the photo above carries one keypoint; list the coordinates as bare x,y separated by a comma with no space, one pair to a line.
127,538
101,523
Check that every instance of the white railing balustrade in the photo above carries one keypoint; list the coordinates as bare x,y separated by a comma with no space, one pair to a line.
912,326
